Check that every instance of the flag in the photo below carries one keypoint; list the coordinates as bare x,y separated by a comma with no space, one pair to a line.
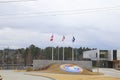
73,39
51,38
63,38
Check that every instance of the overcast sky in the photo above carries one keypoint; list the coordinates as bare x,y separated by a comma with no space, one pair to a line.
93,23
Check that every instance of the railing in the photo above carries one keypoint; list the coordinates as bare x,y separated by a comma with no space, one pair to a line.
12,67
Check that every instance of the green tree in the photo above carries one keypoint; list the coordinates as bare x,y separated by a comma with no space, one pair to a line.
48,53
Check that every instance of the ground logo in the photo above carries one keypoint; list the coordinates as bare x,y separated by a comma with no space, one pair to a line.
71,68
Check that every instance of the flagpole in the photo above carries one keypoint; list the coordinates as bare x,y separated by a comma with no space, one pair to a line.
73,40
72,54
52,51
58,53
63,47
63,54
51,39
52,54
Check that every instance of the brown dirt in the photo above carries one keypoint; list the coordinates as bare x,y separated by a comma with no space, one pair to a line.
62,75
76,77
55,68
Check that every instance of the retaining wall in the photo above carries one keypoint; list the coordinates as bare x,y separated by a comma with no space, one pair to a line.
37,64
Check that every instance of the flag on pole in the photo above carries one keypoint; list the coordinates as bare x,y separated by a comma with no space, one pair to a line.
51,38
73,39
63,38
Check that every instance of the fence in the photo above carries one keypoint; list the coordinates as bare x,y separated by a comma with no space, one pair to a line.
12,67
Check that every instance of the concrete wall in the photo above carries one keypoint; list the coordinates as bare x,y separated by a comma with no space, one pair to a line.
118,54
92,54
43,63
110,55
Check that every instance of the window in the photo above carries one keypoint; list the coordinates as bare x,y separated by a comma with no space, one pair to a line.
103,53
114,54
96,55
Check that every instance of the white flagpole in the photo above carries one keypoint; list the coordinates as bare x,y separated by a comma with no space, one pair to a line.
51,39
72,54
63,54
73,40
63,47
52,54
58,53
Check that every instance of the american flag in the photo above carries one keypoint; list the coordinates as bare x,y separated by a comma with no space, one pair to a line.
51,38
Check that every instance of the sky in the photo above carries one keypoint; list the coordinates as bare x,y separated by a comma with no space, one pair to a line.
93,23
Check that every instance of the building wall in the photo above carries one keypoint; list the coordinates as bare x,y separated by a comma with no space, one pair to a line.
118,54
94,53
37,64
110,61
110,55
91,54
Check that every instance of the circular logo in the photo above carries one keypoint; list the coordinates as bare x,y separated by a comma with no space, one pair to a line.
71,68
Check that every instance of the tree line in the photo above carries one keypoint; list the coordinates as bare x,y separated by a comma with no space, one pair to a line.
27,55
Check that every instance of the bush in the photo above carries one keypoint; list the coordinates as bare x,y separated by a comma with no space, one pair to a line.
0,68
29,69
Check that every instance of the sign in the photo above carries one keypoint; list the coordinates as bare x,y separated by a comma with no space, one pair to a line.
71,68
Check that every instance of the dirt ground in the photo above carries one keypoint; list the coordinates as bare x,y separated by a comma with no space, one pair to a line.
55,68
55,72
76,77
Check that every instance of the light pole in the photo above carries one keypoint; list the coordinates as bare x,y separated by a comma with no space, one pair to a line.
98,61
6,61
3,59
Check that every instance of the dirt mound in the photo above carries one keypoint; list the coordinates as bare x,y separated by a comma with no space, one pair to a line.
55,68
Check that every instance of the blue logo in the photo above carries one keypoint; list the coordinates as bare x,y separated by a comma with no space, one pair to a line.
71,68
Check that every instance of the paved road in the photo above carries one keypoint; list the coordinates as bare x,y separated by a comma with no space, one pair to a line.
11,75
109,72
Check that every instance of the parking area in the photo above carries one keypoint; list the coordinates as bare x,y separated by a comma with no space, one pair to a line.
109,72
12,75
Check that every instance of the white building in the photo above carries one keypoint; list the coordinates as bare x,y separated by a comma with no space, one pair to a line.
103,58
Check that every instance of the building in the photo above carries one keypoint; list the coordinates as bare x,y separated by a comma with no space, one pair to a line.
103,58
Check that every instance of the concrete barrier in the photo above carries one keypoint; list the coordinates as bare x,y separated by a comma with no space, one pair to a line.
37,64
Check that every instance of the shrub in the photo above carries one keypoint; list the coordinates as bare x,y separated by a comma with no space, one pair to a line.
29,69
0,68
